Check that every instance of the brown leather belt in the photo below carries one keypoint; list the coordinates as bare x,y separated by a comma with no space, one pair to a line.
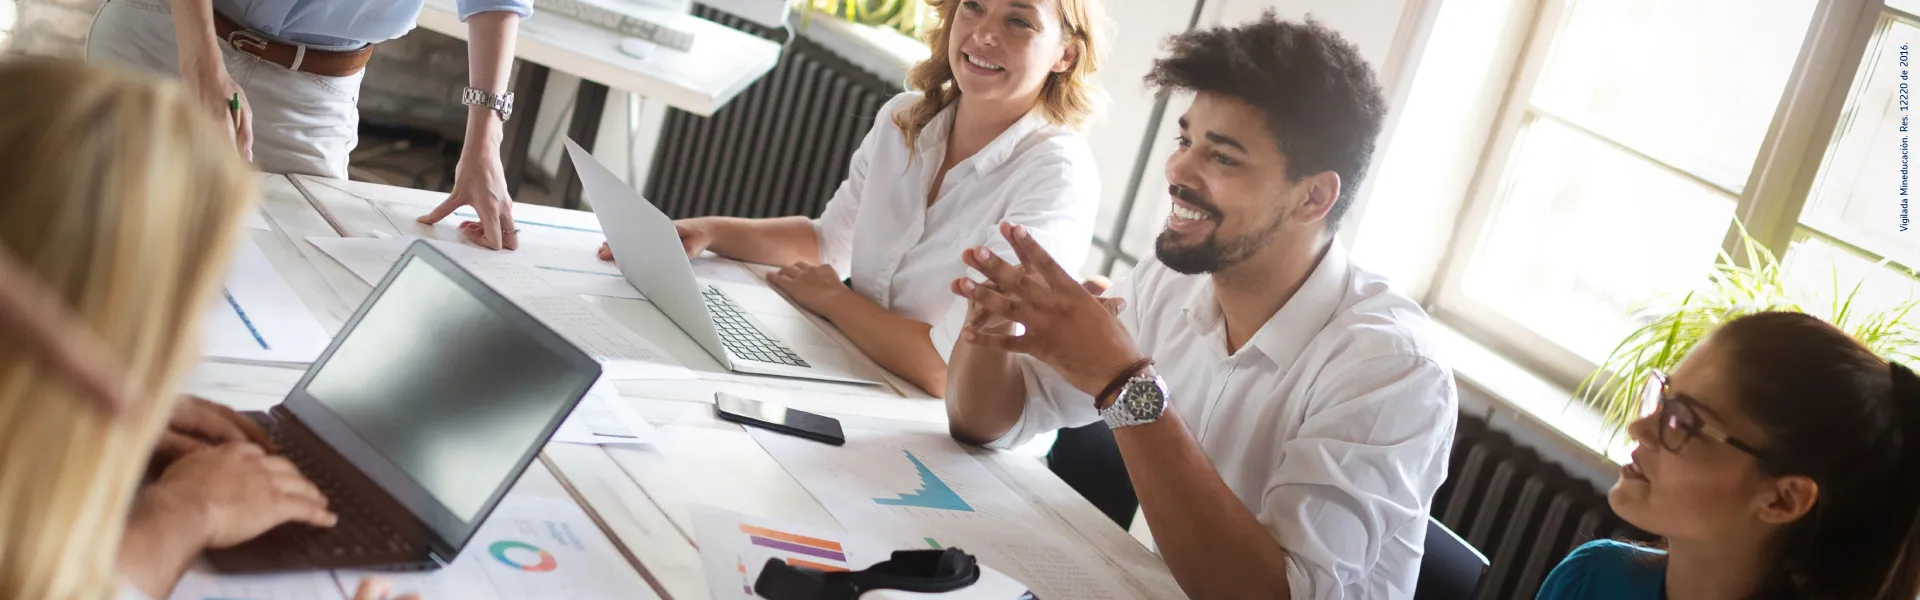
329,63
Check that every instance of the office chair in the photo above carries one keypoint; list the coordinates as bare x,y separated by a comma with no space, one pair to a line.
1088,459
1450,568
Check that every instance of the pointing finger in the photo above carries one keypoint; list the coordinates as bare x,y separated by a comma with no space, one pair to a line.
1036,258
439,212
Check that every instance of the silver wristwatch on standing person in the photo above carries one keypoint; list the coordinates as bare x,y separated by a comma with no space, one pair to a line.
500,104
1141,401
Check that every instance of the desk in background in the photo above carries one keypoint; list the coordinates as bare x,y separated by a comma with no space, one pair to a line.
642,496
722,63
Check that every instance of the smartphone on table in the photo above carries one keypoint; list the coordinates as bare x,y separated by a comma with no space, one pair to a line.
779,418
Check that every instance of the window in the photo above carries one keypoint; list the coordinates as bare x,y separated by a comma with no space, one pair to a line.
1632,135
1861,198
7,15
1856,225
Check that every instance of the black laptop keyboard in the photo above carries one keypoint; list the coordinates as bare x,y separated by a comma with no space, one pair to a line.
359,533
740,335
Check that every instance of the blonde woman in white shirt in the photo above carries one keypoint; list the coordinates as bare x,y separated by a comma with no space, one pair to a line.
120,202
987,135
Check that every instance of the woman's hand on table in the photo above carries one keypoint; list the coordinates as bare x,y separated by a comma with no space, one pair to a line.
813,287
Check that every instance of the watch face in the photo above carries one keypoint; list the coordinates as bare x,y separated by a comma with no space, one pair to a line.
1141,401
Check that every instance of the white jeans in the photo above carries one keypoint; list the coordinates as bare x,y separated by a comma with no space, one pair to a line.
302,123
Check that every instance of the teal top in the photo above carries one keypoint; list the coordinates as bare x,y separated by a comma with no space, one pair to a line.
1606,569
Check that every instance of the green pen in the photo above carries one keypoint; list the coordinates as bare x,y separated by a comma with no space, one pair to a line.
233,108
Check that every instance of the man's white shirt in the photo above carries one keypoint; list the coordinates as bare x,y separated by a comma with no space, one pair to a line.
1332,424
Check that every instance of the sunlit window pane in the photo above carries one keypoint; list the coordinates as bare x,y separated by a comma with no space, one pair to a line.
1824,274
1822,271
1583,232
1692,83
1857,197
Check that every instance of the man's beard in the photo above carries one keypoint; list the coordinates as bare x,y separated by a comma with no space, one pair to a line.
1211,255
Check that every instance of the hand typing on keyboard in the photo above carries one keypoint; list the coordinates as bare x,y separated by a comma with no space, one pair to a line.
224,495
197,423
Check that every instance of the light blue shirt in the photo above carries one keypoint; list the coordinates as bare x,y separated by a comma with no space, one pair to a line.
346,23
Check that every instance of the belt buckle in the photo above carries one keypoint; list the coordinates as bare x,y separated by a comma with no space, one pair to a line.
241,39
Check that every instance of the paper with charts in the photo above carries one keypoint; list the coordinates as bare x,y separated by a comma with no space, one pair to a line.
531,548
562,247
622,353
925,491
258,317
735,547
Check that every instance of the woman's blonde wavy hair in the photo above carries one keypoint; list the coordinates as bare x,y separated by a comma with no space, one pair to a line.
124,201
1068,99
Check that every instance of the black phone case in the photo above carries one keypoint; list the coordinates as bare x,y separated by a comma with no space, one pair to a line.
776,427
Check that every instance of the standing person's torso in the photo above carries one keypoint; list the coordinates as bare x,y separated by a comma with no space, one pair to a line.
326,23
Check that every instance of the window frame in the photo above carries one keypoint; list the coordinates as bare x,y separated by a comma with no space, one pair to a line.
1785,168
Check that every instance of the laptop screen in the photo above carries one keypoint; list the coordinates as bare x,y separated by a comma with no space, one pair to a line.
439,379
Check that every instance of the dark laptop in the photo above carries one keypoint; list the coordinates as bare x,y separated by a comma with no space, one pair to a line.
426,408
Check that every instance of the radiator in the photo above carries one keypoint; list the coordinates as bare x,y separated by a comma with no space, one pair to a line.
780,148
1523,513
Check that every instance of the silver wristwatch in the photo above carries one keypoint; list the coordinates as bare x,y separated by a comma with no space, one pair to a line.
1142,400
500,104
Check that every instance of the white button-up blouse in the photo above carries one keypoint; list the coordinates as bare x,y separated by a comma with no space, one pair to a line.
903,254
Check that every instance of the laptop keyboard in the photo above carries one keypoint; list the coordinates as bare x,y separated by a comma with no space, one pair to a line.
359,533
740,335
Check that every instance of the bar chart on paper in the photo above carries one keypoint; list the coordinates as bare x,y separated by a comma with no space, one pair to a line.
898,477
735,547
934,493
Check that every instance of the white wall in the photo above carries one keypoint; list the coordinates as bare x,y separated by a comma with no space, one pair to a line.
1139,28
1387,33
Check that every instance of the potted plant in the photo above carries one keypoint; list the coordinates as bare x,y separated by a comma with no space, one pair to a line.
904,16
1732,290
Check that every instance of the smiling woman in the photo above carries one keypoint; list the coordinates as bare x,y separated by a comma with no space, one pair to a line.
988,136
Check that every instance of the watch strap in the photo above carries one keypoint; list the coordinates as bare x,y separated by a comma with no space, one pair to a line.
1109,394
500,104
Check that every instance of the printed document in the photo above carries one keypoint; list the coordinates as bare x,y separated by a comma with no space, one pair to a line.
603,417
531,548
258,317
925,491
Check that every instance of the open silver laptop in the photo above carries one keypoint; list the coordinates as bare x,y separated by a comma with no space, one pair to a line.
648,252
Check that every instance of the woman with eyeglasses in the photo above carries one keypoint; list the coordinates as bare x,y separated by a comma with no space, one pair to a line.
1781,459
120,202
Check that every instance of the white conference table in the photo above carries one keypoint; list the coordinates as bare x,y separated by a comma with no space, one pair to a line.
643,495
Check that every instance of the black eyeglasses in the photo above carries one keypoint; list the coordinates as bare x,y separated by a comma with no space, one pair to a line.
1679,420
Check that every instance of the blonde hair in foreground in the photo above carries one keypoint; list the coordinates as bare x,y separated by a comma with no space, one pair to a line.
124,201
1068,99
